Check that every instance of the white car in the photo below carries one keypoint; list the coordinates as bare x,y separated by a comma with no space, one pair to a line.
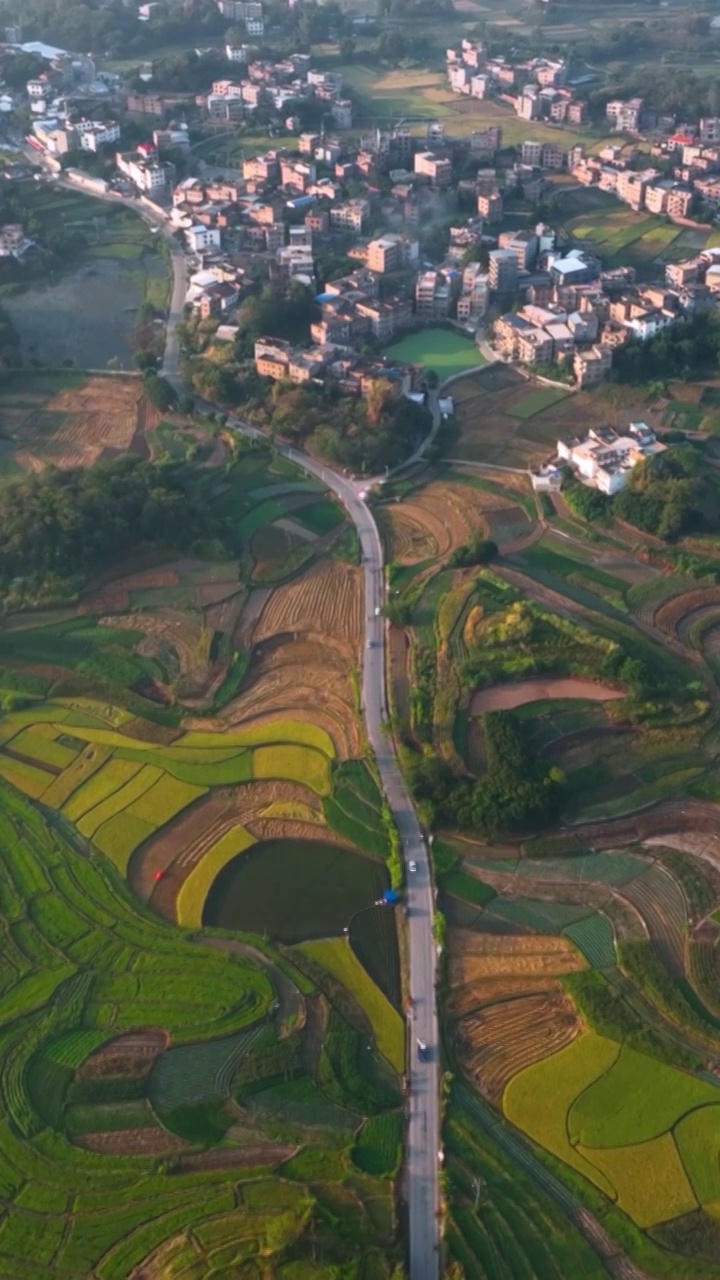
412,866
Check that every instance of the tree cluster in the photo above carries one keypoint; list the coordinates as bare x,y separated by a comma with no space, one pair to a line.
670,495
684,349
59,527
477,550
364,434
98,26
517,791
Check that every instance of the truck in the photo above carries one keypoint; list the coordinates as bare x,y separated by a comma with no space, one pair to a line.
422,1050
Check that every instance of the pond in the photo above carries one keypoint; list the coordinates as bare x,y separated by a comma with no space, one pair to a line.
292,890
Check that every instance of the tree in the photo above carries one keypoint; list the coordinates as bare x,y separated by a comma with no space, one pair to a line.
159,392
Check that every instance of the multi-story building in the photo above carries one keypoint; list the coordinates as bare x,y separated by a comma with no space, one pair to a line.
146,104
710,129
433,295
93,134
625,115
632,185
13,241
341,112
552,156
144,171
391,252
486,142
604,459
591,365
527,104
490,206
40,89
200,238
350,216
524,244
436,168
265,168
502,271
679,201
473,301
531,152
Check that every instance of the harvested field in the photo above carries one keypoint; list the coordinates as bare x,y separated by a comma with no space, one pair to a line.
505,421
478,958
307,679
433,521
79,425
670,616
181,632
327,599
131,1054
498,1041
256,1155
506,697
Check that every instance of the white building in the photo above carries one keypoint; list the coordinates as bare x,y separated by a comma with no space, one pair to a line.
145,174
200,238
604,459
93,134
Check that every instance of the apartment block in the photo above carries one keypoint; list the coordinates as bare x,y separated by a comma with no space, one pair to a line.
436,168
625,114
391,253
350,216
490,206
503,271
486,142
433,295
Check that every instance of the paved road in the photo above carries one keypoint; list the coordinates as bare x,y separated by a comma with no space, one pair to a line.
423,1139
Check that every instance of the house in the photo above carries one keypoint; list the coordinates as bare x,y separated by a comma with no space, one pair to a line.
438,169
13,241
200,238
591,366
604,460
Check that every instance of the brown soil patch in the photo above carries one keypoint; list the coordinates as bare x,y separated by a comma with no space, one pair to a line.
130,1054
173,629
498,1041
261,1154
506,697
152,1141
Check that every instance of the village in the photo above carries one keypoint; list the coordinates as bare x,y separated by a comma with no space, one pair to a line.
527,293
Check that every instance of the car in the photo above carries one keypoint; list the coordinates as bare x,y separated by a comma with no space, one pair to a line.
422,1050
371,644
377,610
412,866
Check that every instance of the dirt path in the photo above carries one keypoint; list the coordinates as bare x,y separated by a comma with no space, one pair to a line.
505,697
